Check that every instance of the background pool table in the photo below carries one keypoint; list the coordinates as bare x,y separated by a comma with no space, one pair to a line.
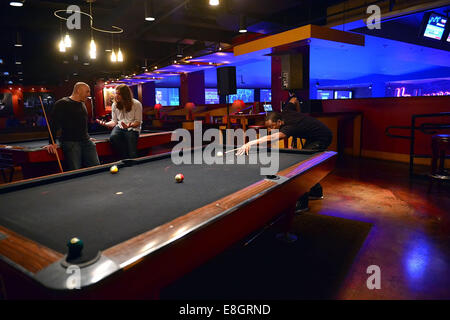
35,161
149,229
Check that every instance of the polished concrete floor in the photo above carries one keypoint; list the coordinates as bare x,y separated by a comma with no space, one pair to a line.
410,236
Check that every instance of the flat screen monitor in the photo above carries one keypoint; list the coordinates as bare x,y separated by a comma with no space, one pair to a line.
324,94
167,96
265,95
434,26
6,106
31,100
267,107
246,95
343,94
211,96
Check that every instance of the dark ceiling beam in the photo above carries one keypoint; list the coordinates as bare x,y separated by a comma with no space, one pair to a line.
188,32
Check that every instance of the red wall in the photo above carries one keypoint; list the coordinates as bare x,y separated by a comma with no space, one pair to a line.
380,113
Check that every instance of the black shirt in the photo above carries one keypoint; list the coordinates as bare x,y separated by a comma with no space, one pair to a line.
72,118
290,106
300,125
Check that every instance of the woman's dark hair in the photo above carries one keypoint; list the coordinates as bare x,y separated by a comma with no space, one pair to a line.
291,91
127,98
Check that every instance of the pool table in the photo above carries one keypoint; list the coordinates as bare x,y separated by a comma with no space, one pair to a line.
36,161
141,230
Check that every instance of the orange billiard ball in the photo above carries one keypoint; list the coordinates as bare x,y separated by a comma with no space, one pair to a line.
179,178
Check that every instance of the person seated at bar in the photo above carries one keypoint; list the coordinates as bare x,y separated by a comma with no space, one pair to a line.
292,103
126,122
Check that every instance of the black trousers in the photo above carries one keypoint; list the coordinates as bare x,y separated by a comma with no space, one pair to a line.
316,191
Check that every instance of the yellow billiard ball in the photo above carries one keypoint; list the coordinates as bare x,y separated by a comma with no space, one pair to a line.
114,169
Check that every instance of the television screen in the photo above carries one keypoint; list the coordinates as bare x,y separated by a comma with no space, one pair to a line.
167,96
6,106
31,100
435,26
211,96
324,94
343,94
267,107
246,95
265,95
48,100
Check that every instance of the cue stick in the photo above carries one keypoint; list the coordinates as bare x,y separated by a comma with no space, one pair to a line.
231,150
50,132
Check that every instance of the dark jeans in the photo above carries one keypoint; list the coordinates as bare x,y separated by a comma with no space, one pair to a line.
78,154
316,191
317,145
124,142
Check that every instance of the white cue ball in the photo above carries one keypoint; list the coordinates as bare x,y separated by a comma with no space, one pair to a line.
219,154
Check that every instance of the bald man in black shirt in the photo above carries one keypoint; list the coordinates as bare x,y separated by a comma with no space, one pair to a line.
70,115
297,125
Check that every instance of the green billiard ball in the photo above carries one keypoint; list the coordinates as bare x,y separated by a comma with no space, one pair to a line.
75,246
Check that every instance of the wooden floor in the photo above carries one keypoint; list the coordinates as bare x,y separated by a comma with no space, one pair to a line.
410,237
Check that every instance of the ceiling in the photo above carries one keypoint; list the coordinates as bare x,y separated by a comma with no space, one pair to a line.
407,29
191,26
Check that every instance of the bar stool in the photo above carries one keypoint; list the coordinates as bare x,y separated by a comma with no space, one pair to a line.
440,145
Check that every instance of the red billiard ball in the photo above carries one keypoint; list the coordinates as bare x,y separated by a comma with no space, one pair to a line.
179,178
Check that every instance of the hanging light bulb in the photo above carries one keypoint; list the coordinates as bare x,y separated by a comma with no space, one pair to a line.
113,56
92,47
93,50
213,2
67,41
119,53
148,9
242,24
62,46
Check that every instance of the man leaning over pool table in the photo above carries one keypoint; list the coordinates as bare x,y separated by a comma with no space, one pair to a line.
297,125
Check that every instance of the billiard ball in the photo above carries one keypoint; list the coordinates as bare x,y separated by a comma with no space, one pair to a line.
179,178
114,169
75,246
219,154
